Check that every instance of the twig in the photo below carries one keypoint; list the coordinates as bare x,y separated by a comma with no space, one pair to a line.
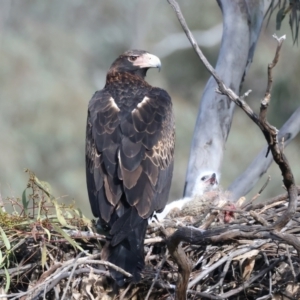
71,275
16,296
290,261
252,279
204,295
270,133
105,263
270,274
65,275
60,272
223,260
122,297
156,239
149,254
16,271
260,191
225,270
259,219
84,234
156,276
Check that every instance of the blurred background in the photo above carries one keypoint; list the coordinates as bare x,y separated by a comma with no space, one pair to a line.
55,54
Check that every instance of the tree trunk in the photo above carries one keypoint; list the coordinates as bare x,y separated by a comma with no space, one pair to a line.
242,21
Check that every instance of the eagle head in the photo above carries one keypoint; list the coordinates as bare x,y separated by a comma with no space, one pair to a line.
136,62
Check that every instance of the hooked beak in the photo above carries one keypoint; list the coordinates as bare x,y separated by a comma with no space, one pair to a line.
148,60
212,179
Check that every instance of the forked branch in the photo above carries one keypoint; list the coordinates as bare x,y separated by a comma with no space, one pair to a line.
269,131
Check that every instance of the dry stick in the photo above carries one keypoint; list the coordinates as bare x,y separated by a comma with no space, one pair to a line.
204,295
258,218
227,257
156,276
153,240
122,297
147,258
260,191
16,271
253,279
65,275
270,132
222,276
63,269
270,201
184,265
270,273
195,236
71,274
16,296
290,261
289,239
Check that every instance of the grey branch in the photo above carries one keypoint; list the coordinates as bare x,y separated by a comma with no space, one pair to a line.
216,111
243,184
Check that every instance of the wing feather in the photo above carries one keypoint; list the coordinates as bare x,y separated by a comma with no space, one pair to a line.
102,143
153,123
129,151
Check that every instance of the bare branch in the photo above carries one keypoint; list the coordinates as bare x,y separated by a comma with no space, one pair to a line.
184,266
156,276
259,166
270,132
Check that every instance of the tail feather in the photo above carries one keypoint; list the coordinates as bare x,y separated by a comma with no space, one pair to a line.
128,252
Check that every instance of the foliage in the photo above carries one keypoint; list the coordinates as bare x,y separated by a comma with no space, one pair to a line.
35,230
291,7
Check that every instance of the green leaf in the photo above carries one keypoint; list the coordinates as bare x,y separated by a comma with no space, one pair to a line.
38,217
48,233
59,214
7,280
1,258
44,255
68,214
279,17
44,186
67,237
86,221
25,202
5,239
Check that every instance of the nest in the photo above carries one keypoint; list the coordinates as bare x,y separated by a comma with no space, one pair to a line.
58,256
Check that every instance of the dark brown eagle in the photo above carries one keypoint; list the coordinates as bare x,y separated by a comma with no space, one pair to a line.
129,157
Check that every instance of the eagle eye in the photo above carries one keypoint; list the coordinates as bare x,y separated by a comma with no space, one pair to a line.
132,58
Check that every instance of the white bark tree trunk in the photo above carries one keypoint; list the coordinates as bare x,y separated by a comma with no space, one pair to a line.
242,21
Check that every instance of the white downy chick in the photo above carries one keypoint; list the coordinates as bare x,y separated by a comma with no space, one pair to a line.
205,182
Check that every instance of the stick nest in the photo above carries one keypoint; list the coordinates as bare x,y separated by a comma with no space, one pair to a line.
53,253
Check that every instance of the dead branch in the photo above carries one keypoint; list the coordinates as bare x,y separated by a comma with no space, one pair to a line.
184,267
259,166
270,132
